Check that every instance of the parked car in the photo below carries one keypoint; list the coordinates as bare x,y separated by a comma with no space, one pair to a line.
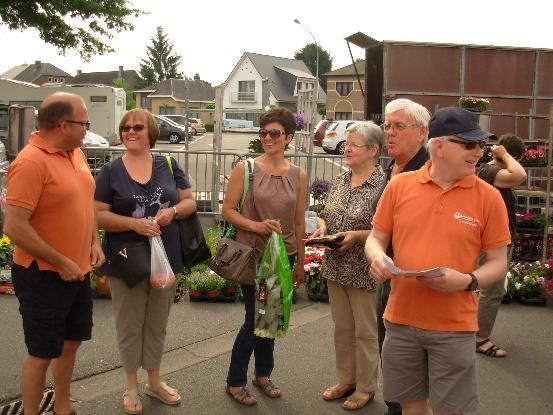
95,147
170,130
4,163
335,136
196,125
319,132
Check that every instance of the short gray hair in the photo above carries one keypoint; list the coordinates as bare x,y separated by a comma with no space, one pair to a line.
418,113
368,131
430,145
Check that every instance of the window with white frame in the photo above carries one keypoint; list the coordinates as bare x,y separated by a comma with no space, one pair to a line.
246,90
344,88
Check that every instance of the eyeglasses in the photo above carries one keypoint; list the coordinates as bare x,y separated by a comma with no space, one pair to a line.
85,124
397,127
274,133
136,127
469,145
355,146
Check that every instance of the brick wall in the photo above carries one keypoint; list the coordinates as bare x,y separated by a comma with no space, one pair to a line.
352,103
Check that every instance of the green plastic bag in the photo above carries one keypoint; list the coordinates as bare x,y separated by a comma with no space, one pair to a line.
273,290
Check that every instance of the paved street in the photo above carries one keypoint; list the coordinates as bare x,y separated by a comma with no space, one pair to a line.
200,336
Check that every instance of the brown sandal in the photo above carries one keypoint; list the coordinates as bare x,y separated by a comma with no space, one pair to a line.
334,392
353,403
243,397
268,388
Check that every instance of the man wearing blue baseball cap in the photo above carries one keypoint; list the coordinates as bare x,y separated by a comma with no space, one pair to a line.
440,216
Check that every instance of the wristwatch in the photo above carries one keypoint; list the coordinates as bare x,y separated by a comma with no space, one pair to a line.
473,283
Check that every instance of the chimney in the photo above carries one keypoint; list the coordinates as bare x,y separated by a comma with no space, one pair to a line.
38,63
79,71
121,72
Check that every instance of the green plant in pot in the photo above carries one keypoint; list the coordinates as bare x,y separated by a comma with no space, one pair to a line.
229,290
195,282
214,285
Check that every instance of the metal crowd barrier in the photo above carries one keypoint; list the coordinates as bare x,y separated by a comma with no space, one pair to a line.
208,171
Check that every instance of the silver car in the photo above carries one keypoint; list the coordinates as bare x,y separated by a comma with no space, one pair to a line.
335,136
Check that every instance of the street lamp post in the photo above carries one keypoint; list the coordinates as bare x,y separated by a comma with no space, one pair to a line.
309,164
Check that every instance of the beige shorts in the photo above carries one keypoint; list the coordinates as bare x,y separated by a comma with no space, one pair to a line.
422,364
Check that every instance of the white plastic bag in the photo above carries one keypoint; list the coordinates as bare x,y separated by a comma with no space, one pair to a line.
161,275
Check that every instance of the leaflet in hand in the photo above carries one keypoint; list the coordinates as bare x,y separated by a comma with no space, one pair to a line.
428,273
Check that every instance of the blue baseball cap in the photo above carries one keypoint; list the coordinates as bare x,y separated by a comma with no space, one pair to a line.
458,122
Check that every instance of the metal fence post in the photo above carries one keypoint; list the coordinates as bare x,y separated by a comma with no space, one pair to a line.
217,142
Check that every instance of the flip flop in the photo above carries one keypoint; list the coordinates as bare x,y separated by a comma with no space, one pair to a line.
134,402
334,392
353,403
155,394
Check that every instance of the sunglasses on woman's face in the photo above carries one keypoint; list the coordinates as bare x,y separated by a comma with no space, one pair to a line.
136,127
273,133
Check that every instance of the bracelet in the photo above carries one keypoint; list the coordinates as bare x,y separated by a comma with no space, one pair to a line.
175,210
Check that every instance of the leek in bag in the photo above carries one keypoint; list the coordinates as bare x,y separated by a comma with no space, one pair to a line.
273,287
161,274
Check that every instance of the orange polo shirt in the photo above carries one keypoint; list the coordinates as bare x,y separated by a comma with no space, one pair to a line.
58,188
430,227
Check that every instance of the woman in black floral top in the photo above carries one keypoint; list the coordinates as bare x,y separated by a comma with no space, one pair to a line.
351,290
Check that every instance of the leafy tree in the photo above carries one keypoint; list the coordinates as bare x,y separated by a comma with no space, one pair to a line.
309,55
100,18
120,83
160,63
197,77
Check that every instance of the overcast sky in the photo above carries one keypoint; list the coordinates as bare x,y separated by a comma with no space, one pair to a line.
212,35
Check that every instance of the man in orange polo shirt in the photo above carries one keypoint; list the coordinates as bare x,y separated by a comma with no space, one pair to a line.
441,215
50,218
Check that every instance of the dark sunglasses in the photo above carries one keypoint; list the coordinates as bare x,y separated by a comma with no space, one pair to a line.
273,133
136,127
85,124
469,145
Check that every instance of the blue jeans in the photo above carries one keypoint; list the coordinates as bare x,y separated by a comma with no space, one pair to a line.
247,342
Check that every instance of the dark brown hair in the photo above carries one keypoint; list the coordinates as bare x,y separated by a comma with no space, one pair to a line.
50,115
513,144
140,113
280,115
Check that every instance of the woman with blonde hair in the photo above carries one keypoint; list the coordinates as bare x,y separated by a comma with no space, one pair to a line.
138,196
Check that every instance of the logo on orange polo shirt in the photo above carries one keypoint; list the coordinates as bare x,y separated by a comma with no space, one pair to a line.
467,220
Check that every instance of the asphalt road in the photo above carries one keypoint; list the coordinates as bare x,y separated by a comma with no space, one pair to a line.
200,337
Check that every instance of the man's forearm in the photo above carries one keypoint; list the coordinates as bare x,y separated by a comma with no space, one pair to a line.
492,270
373,248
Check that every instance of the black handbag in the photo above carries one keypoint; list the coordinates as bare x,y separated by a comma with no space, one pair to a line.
193,244
192,241
130,261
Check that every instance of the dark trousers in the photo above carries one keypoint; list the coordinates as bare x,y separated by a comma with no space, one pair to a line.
247,342
382,295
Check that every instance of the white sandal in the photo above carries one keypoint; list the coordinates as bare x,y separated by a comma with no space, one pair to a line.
155,394
134,401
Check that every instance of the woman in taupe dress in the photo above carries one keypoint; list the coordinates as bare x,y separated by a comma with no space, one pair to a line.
279,189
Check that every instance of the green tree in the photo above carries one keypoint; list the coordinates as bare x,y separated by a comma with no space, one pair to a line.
160,63
98,19
308,54
197,77
120,83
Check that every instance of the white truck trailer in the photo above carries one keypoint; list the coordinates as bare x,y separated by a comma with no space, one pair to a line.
106,104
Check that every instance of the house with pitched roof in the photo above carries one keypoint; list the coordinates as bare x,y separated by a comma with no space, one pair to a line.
344,95
260,80
130,76
38,73
169,97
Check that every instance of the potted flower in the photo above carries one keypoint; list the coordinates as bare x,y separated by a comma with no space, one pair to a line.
6,252
317,289
474,103
229,290
530,220
195,282
534,155
319,190
300,121
530,282
214,286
